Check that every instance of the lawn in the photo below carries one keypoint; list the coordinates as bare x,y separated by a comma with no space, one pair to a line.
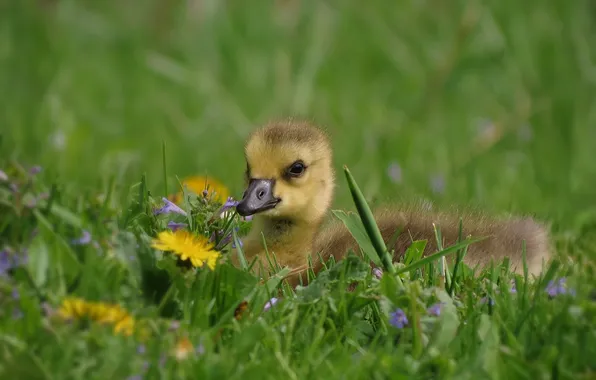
107,106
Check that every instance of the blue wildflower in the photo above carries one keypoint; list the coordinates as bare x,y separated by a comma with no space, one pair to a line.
83,240
270,303
230,203
394,172
35,169
141,349
15,294
559,287
17,313
435,309
437,183
398,318
169,207
176,226
6,263
225,240
174,325
377,272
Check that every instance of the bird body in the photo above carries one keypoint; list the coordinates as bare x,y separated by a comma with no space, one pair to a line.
290,187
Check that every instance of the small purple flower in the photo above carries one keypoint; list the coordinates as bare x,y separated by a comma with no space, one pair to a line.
435,309
35,169
398,318
83,240
248,218
3,176
17,313
200,349
6,263
135,377
394,172
487,131
141,349
559,287
270,303
437,183
14,187
174,325
176,226
15,294
169,207
513,289
30,202
230,203
226,239
205,193
377,272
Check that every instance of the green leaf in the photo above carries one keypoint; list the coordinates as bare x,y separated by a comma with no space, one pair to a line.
446,324
414,251
487,356
369,223
39,260
64,257
239,251
66,216
354,224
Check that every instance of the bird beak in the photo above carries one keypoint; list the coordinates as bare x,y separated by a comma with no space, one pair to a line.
258,197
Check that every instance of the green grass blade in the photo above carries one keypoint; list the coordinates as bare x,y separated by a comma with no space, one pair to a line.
429,259
369,223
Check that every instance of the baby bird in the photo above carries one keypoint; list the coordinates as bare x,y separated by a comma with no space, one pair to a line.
290,187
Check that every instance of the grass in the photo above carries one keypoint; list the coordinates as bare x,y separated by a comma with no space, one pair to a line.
485,104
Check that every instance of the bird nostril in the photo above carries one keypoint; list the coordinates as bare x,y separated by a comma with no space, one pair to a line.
261,194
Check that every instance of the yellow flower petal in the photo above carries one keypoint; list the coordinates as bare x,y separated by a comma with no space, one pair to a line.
198,249
197,184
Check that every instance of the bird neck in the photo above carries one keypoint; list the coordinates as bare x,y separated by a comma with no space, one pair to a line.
291,241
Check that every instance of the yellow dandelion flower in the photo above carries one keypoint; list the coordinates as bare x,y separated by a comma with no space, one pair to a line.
196,184
107,313
188,246
103,313
125,326
73,308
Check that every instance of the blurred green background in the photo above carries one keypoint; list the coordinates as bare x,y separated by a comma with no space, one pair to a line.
482,102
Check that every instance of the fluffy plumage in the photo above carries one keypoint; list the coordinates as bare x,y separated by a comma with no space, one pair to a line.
293,229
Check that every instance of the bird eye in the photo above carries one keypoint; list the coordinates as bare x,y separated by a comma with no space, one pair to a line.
296,169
